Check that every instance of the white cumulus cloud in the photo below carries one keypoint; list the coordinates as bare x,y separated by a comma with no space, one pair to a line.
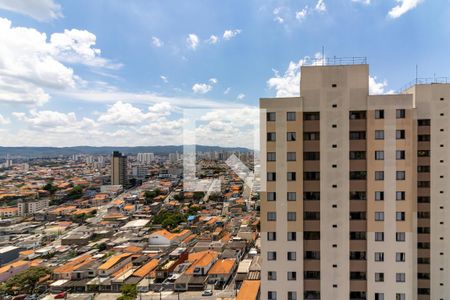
213,39
402,7
378,88
240,96
192,41
366,2
30,65
164,78
3,120
41,10
229,34
301,14
288,84
201,88
321,6
157,42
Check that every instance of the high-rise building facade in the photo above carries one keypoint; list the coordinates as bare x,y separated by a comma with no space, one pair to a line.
145,158
356,190
119,175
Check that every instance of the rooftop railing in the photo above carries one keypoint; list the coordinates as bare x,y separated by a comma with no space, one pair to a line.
424,80
335,61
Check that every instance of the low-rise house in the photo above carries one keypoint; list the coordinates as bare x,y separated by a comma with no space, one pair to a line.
81,267
8,212
114,264
250,290
12,269
222,271
165,238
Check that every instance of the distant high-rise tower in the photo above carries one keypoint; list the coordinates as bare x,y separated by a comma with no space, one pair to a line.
119,169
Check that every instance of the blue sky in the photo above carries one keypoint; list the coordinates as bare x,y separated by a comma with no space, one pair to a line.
122,72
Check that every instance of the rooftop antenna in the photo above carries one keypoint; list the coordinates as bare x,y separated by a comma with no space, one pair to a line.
417,73
323,55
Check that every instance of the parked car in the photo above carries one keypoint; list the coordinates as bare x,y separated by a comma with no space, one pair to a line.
207,293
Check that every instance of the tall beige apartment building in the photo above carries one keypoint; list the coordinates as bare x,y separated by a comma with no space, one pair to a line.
356,202
119,175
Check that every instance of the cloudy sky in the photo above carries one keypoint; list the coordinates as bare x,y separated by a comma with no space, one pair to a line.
110,72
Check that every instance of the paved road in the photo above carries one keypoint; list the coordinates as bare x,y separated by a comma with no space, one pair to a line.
170,296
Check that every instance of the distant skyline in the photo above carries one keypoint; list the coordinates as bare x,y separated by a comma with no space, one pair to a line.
121,73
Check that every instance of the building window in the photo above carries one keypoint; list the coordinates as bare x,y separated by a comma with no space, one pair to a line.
311,235
271,176
311,155
379,256
291,275
271,116
311,136
400,134
400,195
291,196
312,255
291,156
311,215
379,216
271,295
271,156
292,236
423,169
354,155
379,296
358,196
400,277
424,138
271,236
271,196
379,195
271,136
271,275
311,196
400,216
402,296
311,116
379,175
271,255
379,134
290,116
292,255
291,136
424,122
400,113
271,216
400,256
357,135
311,176
400,175
291,176
400,236
358,175
291,216
400,154
423,153
357,115
379,155
379,114
379,277
379,236
292,295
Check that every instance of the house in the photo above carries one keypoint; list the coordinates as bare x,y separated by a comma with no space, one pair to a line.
81,267
114,264
222,271
165,238
13,268
250,290
194,278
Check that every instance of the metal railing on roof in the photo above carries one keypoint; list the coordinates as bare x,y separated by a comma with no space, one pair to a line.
425,80
335,61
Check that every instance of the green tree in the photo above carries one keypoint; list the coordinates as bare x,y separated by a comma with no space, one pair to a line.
129,292
25,282
50,187
75,193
